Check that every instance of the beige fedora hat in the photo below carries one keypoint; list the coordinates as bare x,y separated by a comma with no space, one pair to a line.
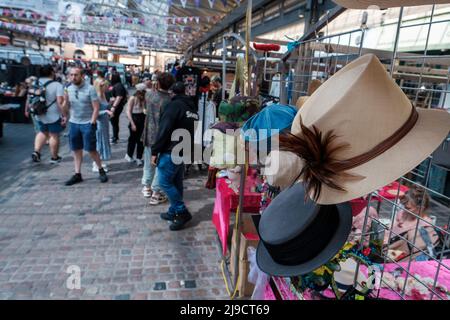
362,108
383,4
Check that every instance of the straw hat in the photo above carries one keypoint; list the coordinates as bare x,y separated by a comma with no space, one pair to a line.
301,101
381,135
345,278
312,87
382,4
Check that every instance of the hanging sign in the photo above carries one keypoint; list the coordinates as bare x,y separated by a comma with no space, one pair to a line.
68,8
123,36
52,29
132,44
79,39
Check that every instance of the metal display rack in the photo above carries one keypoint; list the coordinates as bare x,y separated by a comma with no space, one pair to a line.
425,78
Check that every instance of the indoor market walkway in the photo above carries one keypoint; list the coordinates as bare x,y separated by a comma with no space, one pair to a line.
121,246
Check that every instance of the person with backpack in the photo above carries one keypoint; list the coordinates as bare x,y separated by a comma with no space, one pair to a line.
46,102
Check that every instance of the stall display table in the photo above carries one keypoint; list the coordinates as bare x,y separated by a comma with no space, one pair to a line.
422,269
227,200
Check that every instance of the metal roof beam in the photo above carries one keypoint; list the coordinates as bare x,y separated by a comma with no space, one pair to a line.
234,16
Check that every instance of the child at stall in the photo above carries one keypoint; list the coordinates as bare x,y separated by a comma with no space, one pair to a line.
416,201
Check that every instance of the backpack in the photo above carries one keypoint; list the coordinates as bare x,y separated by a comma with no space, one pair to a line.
37,101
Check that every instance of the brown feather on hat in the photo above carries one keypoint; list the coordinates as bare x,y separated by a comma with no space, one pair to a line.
362,108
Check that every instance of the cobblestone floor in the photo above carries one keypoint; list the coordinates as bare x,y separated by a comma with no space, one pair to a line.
122,247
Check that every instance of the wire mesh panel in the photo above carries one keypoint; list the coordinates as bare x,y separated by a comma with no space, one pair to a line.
409,232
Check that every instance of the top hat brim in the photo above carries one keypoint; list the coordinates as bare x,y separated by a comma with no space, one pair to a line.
269,266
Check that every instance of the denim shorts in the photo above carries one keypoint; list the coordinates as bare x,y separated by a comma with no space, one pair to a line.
82,136
54,127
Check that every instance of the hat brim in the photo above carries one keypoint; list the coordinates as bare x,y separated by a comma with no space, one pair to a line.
431,129
269,266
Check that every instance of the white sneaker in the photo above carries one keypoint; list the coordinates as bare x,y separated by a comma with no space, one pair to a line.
147,192
139,162
128,158
105,166
94,167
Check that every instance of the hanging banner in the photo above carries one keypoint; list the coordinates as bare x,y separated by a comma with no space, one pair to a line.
132,44
79,39
52,29
68,8
123,36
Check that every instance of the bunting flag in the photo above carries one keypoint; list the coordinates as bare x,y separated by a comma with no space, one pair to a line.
211,3
185,20
224,2
197,3
183,3
197,19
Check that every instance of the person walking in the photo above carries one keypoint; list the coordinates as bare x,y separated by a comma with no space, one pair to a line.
83,103
102,133
49,124
178,114
118,101
136,116
155,102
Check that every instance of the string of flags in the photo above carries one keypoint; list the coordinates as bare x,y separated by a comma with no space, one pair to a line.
110,20
53,30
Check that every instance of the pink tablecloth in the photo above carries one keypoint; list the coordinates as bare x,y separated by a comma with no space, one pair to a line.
424,269
227,200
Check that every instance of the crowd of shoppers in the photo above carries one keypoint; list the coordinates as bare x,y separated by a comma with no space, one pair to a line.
157,108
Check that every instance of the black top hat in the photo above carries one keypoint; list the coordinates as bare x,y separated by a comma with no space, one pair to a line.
298,237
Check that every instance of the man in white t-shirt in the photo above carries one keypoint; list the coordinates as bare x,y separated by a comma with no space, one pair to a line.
53,121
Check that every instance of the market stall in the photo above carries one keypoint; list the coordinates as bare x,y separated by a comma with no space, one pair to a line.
365,264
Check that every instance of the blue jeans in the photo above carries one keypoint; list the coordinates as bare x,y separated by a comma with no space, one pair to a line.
150,175
171,182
